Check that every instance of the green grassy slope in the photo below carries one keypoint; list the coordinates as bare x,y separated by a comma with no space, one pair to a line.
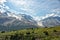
52,33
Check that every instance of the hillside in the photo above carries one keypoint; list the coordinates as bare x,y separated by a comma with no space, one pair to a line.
52,33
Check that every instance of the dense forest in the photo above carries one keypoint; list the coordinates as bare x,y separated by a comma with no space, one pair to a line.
52,33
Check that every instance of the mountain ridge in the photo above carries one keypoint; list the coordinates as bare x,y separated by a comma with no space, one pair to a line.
50,21
12,20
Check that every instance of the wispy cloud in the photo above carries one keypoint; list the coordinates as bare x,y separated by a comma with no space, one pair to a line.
54,12
3,7
2,1
57,11
29,6
36,7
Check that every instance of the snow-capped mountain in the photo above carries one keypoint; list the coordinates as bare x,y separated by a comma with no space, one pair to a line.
50,21
13,21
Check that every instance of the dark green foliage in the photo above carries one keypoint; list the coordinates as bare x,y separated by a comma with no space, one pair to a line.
2,31
28,33
33,38
54,30
46,33
46,27
14,37
6,37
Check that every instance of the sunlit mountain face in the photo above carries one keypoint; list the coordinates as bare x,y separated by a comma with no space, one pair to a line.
29,14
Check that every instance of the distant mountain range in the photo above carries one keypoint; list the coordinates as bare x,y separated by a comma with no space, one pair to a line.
14,21
50,21
11,21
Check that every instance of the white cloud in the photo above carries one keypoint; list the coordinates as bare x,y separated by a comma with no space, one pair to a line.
18,2
7,7
3,7
33,6
2,1
50,15
25,5
2,10
56,10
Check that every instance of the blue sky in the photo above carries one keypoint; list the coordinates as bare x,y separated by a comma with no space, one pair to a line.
34,7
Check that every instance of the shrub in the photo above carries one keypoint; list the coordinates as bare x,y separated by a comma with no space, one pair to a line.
33,38
46,33
54,30
2,31
28,33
